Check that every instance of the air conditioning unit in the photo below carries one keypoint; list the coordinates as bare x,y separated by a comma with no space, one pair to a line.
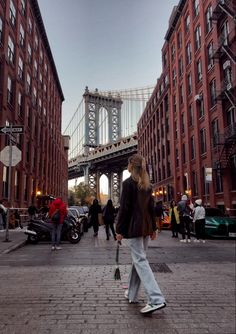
198,97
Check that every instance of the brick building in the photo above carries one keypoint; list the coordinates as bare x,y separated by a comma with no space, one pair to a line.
187,132
30,95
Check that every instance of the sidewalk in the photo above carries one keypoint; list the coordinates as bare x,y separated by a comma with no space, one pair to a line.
17,239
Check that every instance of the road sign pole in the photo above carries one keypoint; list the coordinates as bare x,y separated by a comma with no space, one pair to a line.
9,188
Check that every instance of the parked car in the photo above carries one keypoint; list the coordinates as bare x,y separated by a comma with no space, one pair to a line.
218,224
83,216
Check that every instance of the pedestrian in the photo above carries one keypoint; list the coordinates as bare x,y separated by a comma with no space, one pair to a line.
94,210
3,214
184,210
199,215
136,223
57,214
17,219
109,217
32,211
159,212
174,219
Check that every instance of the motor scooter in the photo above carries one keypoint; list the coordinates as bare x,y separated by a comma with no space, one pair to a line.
40,230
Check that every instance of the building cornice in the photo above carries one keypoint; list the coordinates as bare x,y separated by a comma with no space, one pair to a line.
174,20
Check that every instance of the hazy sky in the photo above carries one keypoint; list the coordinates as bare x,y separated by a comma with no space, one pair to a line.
105,44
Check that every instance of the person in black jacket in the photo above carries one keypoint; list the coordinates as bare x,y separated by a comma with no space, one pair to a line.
136,222
94,210
109,216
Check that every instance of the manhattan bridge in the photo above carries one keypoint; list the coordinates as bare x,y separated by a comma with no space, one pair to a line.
103,134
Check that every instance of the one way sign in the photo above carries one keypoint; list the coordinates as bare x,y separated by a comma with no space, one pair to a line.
11,129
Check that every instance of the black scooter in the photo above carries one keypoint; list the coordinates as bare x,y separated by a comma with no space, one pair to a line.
40,230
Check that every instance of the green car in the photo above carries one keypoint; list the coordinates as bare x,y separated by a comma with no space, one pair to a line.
219,225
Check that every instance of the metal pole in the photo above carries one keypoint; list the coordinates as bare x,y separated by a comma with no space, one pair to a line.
9,187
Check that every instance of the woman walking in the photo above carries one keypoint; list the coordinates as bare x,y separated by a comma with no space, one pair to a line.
174,219
94,210
108,216
199,220
136,222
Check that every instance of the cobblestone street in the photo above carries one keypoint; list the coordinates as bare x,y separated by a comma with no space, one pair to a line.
73,290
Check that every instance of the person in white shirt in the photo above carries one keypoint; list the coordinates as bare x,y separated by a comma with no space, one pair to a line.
199,220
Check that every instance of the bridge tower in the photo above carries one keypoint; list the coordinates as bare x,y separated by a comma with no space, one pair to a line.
94,102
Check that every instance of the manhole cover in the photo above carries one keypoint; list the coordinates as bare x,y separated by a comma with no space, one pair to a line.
160,268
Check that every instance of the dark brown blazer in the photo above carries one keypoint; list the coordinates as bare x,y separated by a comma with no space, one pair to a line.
136,217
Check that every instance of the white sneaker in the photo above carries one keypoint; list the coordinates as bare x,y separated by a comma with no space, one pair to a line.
127,297
182,240
149,308
196,240
204,241
53,248
189,240
58,248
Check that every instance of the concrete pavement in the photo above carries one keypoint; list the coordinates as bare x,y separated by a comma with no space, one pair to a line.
16,238
73,291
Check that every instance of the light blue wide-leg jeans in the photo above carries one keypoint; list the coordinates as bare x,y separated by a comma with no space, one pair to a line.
141,272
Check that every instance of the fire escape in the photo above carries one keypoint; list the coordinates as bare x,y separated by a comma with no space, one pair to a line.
225,53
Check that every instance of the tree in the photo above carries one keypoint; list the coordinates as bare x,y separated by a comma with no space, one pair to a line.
83,194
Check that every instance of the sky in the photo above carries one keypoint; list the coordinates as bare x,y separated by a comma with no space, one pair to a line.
104,44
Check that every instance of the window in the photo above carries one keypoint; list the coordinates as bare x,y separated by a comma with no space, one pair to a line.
179,40
181,66
20,104
174,103
22,7
208,18
164,59
194,183
35,68
20,68
187,23
173,52
210,59
36,41
225,33
195,7
17,186
218,179
12,15
29,53
22,36
199,70
197,34
203,141
189,78
190,112
10,50
228,77
34,96
232,170
40,56
9,91
30,26
188,53
212,93
28,84
192,147
1,29
177,157
174,77
214,132
200,106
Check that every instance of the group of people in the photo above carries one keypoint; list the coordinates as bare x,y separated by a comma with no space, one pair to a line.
182,214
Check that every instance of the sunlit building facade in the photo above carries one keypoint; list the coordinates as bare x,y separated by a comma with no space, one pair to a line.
30,96
188,129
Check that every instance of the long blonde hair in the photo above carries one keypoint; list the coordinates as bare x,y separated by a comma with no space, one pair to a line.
137,168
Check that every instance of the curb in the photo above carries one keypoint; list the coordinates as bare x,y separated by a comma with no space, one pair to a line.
14,247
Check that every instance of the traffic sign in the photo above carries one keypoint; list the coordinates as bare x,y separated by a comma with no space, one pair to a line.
5,156
11,129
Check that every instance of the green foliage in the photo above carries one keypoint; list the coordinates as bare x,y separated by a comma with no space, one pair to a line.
83,194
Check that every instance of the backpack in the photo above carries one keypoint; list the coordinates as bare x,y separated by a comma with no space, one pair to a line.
56,217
